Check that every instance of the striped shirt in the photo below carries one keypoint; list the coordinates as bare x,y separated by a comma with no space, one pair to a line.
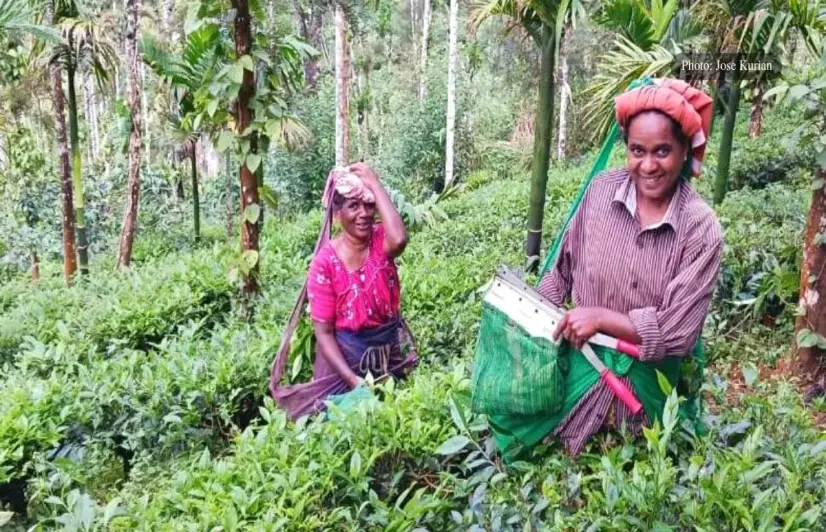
662,276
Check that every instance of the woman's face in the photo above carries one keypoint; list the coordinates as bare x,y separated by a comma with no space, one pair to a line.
357,218
655,155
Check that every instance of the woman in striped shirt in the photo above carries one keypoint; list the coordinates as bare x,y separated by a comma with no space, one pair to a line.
641,256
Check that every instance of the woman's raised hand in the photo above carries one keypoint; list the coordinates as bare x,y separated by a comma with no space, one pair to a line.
367,175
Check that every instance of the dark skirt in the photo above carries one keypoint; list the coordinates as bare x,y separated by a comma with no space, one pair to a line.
385,350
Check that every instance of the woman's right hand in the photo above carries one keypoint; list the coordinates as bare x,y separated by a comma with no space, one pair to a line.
354,381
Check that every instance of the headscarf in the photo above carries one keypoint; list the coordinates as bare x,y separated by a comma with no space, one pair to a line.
690,107
347,184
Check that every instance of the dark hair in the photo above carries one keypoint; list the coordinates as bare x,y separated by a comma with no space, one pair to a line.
676,129
338,201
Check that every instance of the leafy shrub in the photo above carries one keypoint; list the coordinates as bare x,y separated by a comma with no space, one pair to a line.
112,309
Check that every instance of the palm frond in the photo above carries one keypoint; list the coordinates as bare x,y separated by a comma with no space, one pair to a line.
290,133
17,17
631,20
615,72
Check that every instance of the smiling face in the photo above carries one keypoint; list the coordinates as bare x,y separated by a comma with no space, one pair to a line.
656,153
356,217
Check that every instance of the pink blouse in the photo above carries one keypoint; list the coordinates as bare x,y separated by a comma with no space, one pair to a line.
354,300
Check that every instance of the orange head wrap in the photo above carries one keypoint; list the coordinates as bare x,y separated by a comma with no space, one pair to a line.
690,107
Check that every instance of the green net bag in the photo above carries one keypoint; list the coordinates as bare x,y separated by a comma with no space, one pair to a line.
515,373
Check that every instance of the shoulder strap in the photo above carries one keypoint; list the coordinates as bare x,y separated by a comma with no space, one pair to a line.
280,361
599,165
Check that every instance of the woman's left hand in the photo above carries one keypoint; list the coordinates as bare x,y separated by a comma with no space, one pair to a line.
579,324
367,175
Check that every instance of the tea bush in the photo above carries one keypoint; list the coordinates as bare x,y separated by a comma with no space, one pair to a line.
149,371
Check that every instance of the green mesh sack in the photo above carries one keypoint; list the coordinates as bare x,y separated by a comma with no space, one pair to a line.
515,373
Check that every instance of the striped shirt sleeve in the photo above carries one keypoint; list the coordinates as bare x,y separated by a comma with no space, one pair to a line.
556,283
673,327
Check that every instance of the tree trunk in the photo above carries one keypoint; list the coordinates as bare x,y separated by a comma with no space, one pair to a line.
91,118
808,361
541,149
564,93
309,27
77,179
145,111
413,24
756,118
166,15
453,59
249,184
35,269
423,61
179,188
230,209
130,215
342,90
69,251
726,141
196,197
262,148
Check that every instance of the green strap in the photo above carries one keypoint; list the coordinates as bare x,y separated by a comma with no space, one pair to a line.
599,165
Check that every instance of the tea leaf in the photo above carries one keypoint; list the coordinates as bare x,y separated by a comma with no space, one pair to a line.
252,212
750,375
453,445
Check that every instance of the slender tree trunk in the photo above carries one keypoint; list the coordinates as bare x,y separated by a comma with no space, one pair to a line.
541,149
146,114
813,284
130,214
90,117
756,118
179,188
303,29
261,146
196,197
564,94
726,141
249,184
342,90
35,268
58,100
423,61
452,63
77,179
166,15
413,25
230,214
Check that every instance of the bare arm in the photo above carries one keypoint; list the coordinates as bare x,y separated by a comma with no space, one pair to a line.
325,336
618,325
395,233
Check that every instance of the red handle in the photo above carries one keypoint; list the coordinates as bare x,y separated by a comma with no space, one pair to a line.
628,348
621,391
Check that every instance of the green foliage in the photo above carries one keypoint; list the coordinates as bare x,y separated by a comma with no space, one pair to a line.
119,310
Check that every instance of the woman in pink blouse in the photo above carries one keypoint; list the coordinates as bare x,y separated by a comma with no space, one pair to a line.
354,293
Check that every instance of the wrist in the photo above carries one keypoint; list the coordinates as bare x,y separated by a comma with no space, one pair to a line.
603,318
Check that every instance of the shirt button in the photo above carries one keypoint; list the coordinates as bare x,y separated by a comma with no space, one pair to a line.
639,243
633,284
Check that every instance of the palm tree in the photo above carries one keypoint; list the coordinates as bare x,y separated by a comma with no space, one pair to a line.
543,21
186,73
84,47
130,215
16,17
648,40
752,30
